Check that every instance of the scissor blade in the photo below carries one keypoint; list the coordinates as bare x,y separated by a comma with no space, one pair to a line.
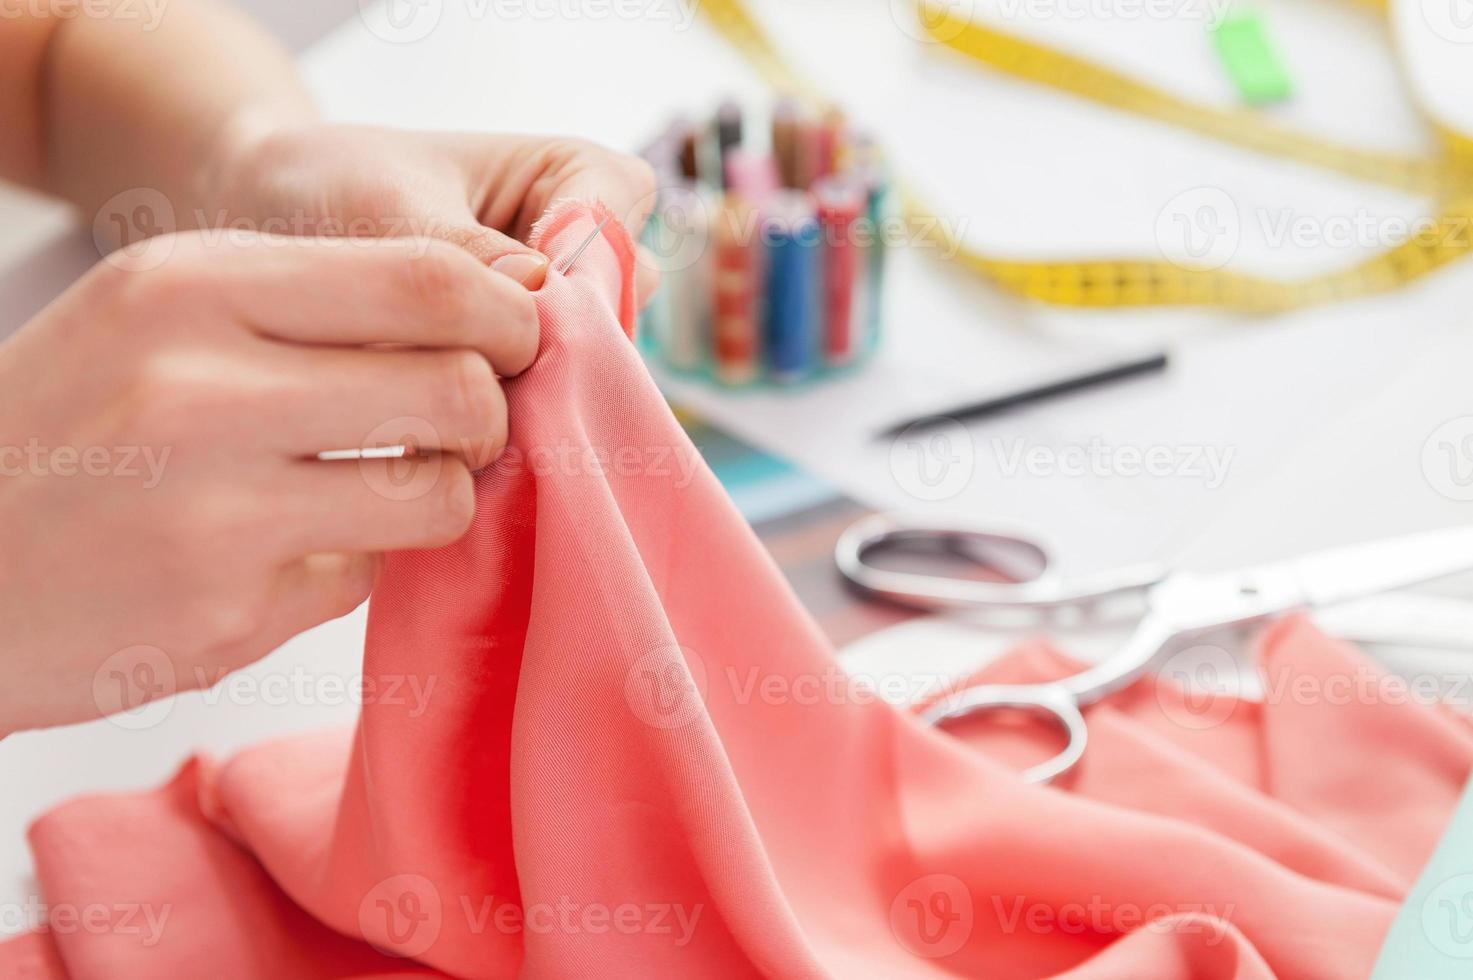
1337,575
1196,603
1403,620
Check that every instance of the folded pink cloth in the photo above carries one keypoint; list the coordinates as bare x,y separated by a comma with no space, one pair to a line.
640,759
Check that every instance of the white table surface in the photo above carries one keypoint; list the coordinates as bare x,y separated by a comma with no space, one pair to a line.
1325,413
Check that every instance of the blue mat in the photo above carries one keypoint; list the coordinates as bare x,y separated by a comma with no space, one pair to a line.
1432,936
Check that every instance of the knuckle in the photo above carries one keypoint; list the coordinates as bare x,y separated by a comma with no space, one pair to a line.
167,298
354,587
127,287
441,284
231,622
222,604
347,588
217,521
224,618
108,279
167,397
474,395
151,254
573,147
634,171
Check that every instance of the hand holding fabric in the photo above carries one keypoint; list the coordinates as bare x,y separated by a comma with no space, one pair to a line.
481,192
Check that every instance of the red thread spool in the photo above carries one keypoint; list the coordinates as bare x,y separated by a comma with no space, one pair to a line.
841,201
830,143
734,297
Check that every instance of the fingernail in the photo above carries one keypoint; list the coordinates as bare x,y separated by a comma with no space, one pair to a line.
527,268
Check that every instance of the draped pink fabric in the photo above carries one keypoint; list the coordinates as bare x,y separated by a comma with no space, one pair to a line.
640,759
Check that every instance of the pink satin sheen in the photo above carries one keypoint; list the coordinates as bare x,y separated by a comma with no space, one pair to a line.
639,758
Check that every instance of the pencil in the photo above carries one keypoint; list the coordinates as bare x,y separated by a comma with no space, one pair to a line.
1029,396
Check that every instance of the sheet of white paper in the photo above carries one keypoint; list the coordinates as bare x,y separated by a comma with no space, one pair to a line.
1024,171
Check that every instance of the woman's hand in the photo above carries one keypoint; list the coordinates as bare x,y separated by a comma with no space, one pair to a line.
161,500
160,496
482,193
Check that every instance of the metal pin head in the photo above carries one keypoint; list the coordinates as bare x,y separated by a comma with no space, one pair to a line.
578,253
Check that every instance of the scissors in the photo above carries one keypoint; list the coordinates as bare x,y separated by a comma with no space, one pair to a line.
1179,606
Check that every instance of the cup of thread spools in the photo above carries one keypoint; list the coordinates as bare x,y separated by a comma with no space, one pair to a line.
769,239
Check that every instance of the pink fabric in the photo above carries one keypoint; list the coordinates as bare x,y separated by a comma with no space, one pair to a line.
639,759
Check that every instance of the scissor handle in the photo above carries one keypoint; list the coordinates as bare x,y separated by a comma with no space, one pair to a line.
1044,590
1047,702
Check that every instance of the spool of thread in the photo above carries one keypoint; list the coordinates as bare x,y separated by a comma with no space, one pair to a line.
654,320
785,122
688,137
830,143
684,239
663,155
808,156
663,152
773,262
862,152
792,318
752,175
728,127
841,202
736,347
877,185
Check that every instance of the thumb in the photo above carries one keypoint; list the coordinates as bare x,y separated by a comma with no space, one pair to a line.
501,252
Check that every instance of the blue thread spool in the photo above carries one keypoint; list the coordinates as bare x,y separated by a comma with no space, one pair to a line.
792,320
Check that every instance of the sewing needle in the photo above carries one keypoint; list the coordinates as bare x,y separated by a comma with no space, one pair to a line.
573,259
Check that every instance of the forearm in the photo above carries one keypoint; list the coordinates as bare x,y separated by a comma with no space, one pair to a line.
154,97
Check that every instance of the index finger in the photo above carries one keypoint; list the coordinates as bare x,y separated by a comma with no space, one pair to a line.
521,177
418,292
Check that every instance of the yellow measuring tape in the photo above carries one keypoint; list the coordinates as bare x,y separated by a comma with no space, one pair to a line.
1156,282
